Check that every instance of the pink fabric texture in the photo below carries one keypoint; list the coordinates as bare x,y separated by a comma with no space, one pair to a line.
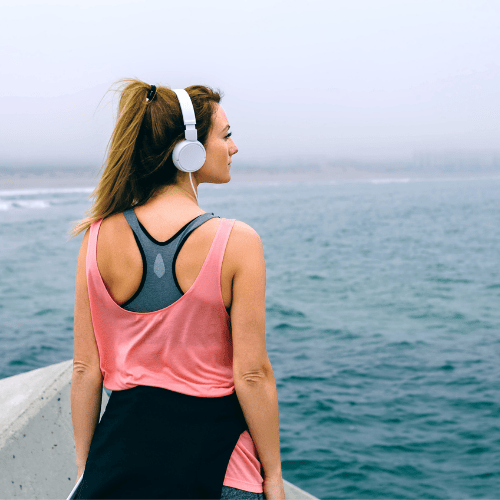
185,347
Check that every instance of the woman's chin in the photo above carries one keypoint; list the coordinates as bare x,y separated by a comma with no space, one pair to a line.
222,180
227,177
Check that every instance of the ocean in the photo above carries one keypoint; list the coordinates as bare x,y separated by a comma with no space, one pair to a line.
382,322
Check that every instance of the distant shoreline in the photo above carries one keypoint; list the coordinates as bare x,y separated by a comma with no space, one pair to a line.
60,177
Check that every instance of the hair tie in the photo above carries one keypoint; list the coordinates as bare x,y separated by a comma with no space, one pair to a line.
151,93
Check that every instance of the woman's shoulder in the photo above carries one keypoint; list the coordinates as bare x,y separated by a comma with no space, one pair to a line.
113,222
116,244
242,230
244,242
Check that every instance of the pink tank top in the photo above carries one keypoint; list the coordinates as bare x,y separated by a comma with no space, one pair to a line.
185,347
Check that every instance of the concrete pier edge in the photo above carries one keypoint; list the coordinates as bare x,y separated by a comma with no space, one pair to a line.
37,451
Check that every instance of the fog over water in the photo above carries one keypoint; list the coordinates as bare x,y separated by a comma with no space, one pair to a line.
303,81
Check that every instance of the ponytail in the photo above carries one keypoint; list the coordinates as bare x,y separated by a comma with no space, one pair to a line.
139,157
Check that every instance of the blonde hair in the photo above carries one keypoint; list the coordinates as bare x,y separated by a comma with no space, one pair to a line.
139,153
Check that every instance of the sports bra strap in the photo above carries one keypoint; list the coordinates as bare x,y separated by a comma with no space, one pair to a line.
183,232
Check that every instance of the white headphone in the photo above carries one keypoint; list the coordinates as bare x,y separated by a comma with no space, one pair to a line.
188,155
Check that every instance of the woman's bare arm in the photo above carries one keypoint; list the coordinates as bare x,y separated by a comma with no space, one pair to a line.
86,383
253,374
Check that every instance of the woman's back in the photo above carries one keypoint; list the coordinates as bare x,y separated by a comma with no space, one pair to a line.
120,261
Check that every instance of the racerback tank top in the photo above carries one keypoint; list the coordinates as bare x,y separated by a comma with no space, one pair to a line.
165,338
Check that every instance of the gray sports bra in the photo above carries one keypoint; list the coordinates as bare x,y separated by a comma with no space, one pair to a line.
159,287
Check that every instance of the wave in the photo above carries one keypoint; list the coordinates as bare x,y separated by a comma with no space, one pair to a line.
405,180
7,205
31,191
434,179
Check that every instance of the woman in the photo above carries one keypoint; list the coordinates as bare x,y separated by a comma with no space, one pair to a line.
170,316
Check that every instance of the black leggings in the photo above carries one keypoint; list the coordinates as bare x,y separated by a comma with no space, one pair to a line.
230,493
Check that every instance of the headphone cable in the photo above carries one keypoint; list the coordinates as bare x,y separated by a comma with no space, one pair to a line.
192,185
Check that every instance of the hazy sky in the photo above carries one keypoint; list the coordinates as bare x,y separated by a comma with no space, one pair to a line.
364,79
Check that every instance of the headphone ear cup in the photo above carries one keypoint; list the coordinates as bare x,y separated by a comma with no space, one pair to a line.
189,156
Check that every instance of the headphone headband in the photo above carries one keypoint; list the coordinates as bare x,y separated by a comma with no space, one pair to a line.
187,114
189,154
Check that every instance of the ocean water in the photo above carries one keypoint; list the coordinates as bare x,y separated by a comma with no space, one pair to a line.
382,323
